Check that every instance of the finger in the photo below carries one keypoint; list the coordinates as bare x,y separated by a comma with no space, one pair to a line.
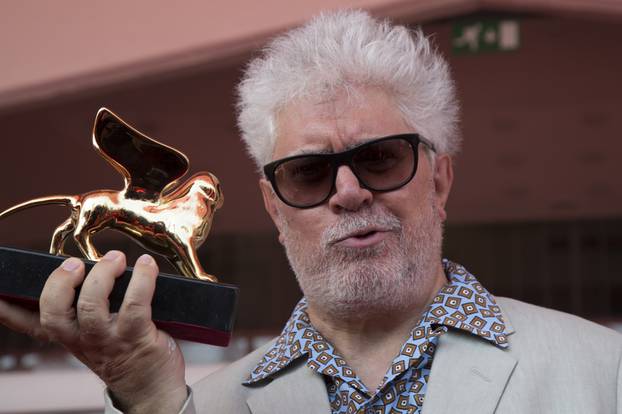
134,319
56,312
93,307
21,320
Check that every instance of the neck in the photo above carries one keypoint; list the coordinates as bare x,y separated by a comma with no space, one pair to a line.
369,341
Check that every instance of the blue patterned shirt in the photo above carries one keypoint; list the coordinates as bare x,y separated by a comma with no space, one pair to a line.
463,303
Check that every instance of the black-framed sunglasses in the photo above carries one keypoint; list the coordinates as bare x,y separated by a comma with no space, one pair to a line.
384,164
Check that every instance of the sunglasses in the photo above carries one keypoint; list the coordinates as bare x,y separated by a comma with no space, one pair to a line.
384,164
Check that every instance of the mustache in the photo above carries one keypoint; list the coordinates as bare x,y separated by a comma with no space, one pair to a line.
366,220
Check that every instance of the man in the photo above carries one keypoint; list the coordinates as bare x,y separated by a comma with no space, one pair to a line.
353,123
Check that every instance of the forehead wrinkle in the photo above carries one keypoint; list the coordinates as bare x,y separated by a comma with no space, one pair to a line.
312,151
309,151
360,142
333,108
328,124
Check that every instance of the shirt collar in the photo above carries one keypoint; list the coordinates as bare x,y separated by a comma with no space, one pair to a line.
463,303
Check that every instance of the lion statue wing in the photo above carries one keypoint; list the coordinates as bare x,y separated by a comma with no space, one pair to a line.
149,167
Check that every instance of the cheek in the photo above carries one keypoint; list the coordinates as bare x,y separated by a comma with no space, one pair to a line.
411,202
305,222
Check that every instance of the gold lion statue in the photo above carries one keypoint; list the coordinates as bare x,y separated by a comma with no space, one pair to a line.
163,216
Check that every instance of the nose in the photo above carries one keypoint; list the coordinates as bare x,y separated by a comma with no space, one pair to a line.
349,195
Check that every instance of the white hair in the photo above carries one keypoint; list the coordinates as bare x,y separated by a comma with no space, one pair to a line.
348,49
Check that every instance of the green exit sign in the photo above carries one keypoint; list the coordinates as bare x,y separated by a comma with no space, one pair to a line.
487,35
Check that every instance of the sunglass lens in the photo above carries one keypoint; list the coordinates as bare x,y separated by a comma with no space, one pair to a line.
304,181
385,165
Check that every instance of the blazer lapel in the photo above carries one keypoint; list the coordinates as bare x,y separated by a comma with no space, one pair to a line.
468,375
297,390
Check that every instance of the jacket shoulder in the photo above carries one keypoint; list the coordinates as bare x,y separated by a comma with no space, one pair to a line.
551,333
536,319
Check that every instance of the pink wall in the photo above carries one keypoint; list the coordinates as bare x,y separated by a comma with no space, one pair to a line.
50,47
46,42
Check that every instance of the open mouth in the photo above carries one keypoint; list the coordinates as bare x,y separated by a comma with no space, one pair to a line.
362,238
365,234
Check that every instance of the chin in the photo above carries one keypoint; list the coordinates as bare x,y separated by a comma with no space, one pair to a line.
367,286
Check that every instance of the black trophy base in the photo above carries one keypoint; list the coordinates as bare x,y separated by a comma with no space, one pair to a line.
187,309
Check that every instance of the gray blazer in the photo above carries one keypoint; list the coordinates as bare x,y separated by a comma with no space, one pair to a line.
556,363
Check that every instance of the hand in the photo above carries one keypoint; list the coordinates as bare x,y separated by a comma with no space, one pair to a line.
142,366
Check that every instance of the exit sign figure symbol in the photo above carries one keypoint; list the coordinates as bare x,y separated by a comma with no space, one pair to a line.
486,36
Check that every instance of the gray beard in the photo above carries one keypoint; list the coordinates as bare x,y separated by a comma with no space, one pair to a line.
390,276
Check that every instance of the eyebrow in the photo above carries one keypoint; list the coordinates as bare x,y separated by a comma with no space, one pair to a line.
310,151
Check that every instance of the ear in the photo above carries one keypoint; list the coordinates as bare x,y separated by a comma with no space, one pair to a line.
443,179
270,203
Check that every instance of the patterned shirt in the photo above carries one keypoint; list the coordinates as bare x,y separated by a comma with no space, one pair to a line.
462,303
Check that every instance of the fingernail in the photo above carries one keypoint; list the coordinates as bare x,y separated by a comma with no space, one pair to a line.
71,264
112,255
145,259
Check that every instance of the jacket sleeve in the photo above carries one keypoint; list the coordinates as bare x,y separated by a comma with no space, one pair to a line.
187,408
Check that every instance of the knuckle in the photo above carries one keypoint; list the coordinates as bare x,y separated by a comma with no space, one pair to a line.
51,328
131,325
46,320
89,318
86,307
48,301
132,305
52,321
88,322
91,327
132,318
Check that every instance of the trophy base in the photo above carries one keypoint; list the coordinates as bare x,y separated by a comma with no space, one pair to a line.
188,309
